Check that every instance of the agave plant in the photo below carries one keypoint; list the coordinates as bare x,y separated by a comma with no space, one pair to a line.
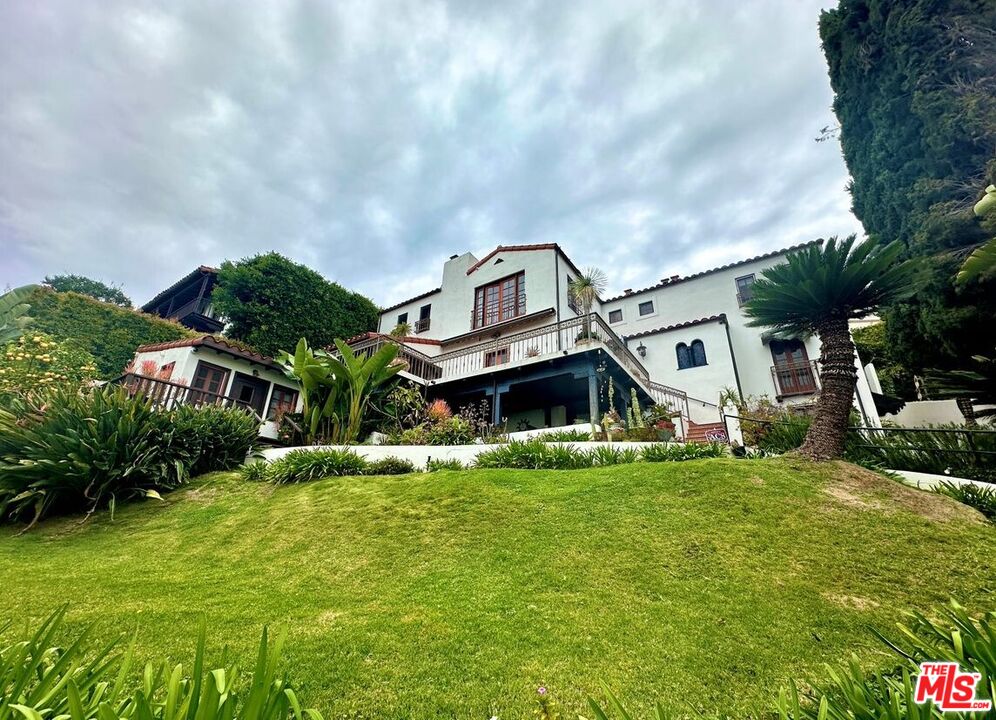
817,291
14,318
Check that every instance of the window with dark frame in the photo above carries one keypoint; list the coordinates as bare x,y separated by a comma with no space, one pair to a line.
690,356
423,318
282,400
615,316
571,301
646,308
793,372
745,290
496,357
500,301
210,378
402,318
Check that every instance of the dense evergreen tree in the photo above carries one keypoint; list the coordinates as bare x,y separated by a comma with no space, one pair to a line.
272,302
87,286
915,84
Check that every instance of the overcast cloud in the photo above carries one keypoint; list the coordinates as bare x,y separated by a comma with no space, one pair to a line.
371,140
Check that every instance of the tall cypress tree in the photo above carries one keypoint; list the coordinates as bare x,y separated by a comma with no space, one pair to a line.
915,84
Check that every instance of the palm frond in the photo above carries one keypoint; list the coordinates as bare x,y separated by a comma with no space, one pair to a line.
834,280
981,262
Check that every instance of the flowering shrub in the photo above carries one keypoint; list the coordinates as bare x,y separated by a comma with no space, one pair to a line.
37,361
438,410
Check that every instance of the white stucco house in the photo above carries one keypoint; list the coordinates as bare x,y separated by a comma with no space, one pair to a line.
208,370
503,329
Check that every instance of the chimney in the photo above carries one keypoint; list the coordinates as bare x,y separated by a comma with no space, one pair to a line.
454,257
674,278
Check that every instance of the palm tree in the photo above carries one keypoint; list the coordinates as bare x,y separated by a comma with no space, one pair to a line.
817,291
14,318
584,291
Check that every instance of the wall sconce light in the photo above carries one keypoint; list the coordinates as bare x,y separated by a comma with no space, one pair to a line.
642,349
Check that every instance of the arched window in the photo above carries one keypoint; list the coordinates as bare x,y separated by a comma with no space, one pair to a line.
684,356
690,356
698,353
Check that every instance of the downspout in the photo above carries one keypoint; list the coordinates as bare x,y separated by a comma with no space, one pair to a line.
556,284
733,357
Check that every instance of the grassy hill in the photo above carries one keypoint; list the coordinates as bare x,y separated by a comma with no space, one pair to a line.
459,593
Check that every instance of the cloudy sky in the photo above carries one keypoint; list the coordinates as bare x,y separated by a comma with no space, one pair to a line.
371,140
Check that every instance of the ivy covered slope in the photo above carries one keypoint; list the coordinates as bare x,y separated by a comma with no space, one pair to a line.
915,84
110,333
458,593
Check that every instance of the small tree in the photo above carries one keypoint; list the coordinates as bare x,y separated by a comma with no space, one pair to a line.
91,288
817,291
584,291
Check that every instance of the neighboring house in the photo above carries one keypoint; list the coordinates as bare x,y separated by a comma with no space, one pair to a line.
503,329
210,371
188,301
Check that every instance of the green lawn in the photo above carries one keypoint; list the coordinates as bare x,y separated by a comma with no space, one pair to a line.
459,593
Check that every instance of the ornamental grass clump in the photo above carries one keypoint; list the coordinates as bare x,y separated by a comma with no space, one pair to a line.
391,466
672,452
304,465
81,680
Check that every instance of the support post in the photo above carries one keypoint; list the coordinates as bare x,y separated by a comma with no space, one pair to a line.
593,396
496,408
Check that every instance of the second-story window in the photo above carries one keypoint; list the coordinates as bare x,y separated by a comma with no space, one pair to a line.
745,288
499,301
423,318
647,308
615,316
402,318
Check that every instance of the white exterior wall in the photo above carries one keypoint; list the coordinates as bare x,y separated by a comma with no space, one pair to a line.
186,359
711,294
702,383
453,304
546,279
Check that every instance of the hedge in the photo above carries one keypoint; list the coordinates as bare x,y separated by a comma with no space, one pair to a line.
109,332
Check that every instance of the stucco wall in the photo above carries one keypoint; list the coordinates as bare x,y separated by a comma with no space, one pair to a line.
452,306
186,359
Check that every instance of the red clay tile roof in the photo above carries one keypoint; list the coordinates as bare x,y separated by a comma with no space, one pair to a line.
412,299
689,323
407,339
214,343
523,248
765,256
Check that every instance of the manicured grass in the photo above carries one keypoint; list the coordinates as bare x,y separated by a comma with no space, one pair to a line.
709,582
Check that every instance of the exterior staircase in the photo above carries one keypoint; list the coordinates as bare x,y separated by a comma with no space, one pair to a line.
705,432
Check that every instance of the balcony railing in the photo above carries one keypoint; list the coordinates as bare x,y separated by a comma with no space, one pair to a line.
585,331
496,312
421,325
419,364
796,379
167,395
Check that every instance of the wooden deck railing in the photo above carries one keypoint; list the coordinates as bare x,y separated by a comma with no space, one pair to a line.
165,394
